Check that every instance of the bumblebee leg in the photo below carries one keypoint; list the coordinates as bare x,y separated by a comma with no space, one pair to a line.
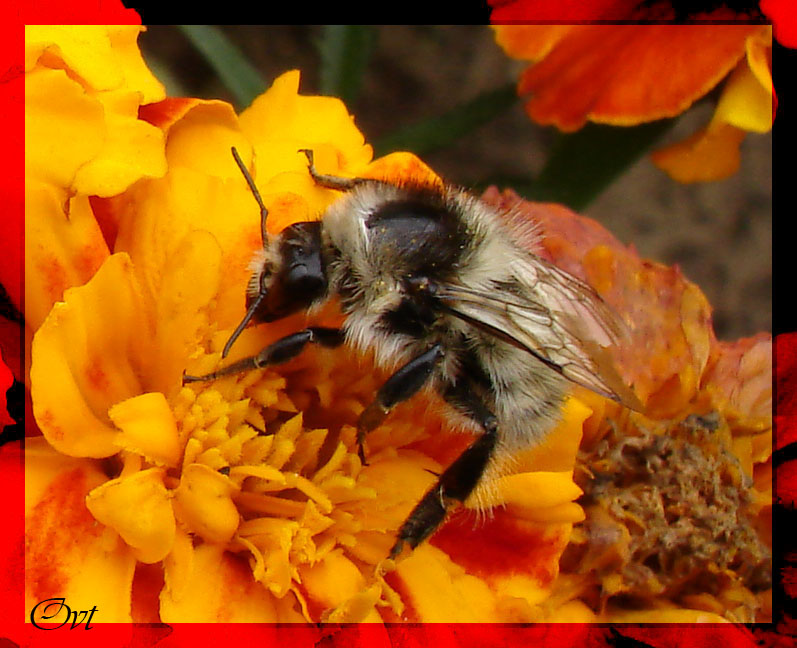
399,387
329,181
278,352
459,479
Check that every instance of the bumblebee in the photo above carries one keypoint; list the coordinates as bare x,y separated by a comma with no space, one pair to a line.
448,294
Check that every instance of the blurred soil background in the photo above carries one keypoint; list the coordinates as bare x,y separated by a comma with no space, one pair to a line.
719,233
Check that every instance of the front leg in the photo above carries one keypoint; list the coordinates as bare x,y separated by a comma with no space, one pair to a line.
459,479
278,352
339,183
403,384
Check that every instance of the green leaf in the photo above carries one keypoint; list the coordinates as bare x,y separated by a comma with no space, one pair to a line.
235,71
582,164
437,132
345,51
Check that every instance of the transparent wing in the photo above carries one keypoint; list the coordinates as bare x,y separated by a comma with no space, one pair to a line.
554,316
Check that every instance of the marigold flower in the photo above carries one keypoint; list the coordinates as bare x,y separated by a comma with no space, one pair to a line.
244,499
625,75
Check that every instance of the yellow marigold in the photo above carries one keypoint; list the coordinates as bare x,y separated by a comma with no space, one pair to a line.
625,75
247,493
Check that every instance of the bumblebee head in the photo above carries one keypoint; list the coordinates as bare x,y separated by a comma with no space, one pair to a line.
288,274
291,276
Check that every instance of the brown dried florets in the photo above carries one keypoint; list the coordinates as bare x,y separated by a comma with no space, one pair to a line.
670,515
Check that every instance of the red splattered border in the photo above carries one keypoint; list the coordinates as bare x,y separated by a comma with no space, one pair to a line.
14,632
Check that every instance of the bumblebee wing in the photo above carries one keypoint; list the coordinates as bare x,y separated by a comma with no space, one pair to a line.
554,316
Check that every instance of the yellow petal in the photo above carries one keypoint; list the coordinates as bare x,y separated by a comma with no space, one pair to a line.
64,246
148,428
280,121
218,588
64,127
189,280
105,57
439,591
201,140
86,354
534,490
131,149
157,230
124,41
203,502
744,102
137,507
759,56
67,554
557,452
332,581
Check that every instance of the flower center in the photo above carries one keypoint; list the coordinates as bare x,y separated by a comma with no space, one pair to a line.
271,468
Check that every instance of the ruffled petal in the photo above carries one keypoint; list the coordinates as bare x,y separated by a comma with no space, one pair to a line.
148,428
203,503
139,508
437,590
603,73
711,153
105,57
90,358
67,554
745,103
217,587
64,126
131,149
64,247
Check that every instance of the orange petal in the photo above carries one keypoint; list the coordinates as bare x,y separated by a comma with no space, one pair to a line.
524,493
629,74
710,154
67,554
139,508
86,356
188,282
218,588
529,42
740,381
504,545
64,247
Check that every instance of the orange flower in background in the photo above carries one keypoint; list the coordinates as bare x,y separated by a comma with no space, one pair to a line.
244,499
625,75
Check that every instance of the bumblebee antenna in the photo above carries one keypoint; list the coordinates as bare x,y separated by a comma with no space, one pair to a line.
255,193
238,329
264,236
